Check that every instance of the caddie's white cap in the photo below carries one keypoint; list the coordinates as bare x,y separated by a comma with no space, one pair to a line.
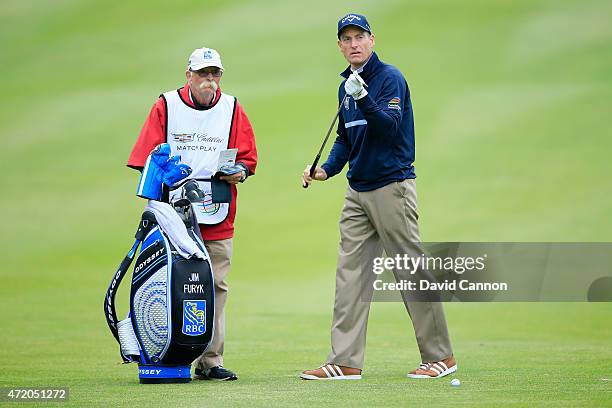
204,57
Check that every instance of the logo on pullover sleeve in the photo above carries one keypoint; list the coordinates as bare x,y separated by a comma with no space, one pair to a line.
394,103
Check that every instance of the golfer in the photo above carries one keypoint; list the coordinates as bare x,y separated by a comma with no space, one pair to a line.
375,136
199,121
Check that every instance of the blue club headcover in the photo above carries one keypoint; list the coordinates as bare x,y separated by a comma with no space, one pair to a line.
160,155
175,171
160,169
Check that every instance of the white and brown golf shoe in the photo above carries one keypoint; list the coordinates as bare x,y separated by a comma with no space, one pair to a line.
437,369
332,372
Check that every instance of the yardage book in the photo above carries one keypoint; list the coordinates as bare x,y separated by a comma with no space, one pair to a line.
227,157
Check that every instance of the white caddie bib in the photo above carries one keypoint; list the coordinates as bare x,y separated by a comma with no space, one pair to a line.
198,136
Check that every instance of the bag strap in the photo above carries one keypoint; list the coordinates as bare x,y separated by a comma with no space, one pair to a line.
147,222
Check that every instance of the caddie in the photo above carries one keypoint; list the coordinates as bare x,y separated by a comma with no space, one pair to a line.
375,136
200,122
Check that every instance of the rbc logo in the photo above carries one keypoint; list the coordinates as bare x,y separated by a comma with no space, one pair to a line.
208,54
194,317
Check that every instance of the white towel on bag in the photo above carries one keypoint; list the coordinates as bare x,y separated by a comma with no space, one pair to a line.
172,225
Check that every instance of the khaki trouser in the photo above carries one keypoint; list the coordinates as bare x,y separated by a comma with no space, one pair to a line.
385,218
220,253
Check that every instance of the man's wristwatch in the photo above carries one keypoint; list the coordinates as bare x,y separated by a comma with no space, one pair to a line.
245,172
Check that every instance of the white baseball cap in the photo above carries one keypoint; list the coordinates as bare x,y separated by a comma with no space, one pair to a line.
204,57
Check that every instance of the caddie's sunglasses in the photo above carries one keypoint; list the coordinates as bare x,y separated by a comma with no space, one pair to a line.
216,72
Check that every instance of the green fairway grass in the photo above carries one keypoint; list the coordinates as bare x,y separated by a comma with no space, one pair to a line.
512,103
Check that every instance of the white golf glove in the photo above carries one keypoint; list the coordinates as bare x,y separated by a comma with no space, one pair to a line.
354,86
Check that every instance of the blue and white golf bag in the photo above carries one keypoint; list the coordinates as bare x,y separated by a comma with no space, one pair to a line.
172,306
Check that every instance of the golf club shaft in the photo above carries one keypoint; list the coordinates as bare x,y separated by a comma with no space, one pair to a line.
316,160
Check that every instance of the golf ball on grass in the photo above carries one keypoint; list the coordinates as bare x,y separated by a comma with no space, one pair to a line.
455,382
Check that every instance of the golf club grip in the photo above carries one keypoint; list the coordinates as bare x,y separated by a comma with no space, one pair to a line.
313,168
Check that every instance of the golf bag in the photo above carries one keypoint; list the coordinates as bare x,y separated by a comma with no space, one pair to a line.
170,322
172,305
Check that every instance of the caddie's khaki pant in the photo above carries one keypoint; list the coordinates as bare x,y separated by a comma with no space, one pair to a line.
220,253
385,218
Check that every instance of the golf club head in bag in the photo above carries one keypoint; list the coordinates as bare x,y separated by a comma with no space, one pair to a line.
193,193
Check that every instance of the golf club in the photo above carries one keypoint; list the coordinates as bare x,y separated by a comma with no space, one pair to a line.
316,160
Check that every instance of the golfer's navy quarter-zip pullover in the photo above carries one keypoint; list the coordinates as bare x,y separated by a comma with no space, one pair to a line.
375,134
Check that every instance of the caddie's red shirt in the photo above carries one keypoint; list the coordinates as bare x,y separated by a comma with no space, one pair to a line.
242,137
